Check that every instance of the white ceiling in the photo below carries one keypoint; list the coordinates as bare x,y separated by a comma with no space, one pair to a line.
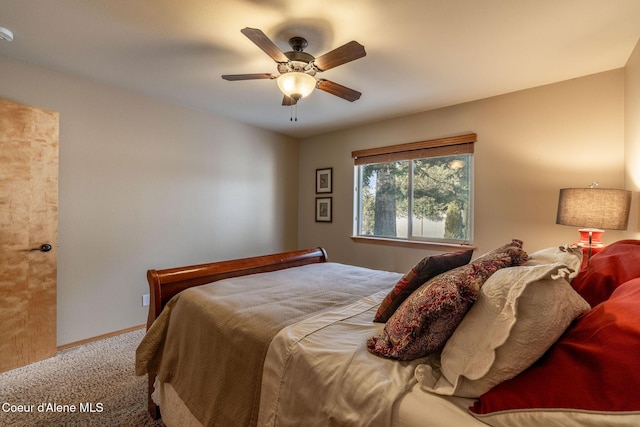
421,54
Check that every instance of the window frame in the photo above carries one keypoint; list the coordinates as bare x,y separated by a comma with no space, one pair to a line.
460,144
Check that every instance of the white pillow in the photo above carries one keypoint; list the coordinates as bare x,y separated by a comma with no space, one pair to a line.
520,312
571,257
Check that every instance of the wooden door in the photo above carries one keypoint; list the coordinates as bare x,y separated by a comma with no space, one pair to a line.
28,223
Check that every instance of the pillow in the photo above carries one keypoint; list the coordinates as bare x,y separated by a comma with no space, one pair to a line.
426,269
513,249
590,376
519,314
608,269
425,320
571,257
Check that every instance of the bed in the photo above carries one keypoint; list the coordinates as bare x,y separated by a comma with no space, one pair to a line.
293,339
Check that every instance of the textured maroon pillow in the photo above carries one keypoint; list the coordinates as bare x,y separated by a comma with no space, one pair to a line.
588,376
608,269
425,321
513,249
426,269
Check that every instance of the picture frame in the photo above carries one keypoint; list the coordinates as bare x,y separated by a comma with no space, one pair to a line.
324,180
324,209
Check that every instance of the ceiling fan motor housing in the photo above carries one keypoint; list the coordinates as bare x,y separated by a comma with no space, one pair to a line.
298,61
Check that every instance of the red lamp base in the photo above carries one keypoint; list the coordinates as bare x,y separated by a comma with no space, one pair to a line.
590,242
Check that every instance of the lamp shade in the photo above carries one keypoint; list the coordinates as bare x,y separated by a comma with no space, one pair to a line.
296,85
599,208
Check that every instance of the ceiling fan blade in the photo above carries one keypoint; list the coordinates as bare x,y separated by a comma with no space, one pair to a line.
264,43
287,101
234,77
338,90
341,55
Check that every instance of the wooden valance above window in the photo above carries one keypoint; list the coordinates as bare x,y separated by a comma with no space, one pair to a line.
462,144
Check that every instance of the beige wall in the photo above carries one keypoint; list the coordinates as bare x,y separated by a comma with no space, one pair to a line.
530,144
144,184
632,138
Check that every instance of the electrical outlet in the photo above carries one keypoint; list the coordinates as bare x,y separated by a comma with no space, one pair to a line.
145,300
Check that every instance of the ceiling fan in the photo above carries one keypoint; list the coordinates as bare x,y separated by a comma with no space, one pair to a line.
297,69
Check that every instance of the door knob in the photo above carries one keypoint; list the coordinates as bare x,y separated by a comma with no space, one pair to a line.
42,248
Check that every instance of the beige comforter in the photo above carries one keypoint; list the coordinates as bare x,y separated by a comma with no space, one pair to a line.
318,372
210,341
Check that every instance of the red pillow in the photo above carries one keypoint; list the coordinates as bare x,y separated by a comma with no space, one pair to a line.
608,269
590,372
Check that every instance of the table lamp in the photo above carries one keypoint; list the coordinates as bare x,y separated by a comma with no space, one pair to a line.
594,210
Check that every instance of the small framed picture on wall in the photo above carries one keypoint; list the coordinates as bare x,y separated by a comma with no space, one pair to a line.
324,180
323,209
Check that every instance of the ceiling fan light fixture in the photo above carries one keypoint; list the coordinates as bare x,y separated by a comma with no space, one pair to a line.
296,85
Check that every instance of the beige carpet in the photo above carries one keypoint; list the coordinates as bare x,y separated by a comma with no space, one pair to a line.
96,377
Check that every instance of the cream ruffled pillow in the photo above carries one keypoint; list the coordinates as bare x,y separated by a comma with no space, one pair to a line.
520,312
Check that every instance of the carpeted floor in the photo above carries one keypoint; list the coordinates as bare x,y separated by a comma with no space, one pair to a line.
95,379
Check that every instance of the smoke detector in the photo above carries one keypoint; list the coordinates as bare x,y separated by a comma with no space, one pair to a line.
6,34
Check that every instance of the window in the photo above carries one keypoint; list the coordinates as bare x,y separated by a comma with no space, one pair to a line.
420,191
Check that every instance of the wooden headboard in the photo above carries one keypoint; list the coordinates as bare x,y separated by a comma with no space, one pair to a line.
165,284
